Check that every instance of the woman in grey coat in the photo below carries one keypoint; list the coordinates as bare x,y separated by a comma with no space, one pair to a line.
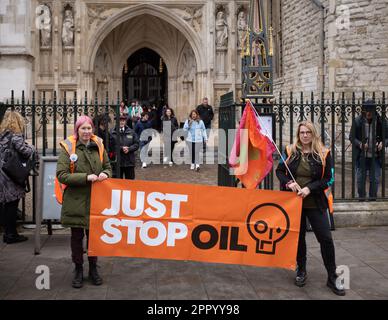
11,129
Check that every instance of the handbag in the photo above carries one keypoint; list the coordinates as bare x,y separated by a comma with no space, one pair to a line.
16,168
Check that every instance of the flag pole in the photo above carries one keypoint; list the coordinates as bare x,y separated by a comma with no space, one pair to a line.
273,142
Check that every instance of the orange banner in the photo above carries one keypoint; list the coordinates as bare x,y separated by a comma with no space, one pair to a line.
148,219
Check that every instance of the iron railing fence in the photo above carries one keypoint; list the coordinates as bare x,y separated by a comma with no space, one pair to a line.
49,122
333,119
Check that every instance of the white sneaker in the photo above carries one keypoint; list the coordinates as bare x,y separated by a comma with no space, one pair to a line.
165,159
170,163
144,165
192,167
197,167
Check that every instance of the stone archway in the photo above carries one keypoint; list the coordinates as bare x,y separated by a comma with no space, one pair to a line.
165,33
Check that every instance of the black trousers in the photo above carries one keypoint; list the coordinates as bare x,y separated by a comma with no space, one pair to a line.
170,152
194,149
128,172
9,217
321,227
77,250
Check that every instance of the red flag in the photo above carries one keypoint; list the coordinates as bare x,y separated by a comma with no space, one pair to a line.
251,156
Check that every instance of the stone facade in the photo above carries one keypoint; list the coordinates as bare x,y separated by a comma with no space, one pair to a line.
351,54
81,45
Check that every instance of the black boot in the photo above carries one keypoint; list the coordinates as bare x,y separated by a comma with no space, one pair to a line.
93,274
337,288
78,276
13,238
301,277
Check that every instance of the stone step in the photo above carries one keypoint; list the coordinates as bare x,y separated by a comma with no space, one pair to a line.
357,214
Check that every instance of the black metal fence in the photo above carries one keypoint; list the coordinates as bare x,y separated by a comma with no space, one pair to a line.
333,119
51,120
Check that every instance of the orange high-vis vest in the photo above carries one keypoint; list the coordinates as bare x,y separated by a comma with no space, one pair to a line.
70,145
327,191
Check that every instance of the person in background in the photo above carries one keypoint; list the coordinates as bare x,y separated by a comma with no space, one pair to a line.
128,142
206,113
153,114
123,108
142,125
169,125
195,138
137,110
311,165
102,131
11,135
362,137
91,165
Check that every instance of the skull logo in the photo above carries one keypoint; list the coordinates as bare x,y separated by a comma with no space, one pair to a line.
268,223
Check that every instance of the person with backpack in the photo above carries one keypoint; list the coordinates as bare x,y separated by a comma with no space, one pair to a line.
310,164
12,140
82,162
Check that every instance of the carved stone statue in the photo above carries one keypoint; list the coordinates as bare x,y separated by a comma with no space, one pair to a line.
258,56
221,30
242,29
68,29
193,17
45,27
96,13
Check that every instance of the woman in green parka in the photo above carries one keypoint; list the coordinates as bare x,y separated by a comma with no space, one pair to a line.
89,164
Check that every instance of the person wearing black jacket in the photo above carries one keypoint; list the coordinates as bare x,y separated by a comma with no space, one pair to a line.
128,141
102,131
305,161
206,113
169,125
362,137
11,137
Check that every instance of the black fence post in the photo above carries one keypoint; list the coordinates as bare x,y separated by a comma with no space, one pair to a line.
353,135
117,144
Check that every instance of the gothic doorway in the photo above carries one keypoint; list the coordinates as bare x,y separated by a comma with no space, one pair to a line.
145,78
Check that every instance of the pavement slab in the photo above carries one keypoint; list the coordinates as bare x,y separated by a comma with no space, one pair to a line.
362,250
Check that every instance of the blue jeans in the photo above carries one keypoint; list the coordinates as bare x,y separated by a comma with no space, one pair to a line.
373,180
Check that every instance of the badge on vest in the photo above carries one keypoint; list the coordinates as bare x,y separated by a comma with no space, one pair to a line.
73,157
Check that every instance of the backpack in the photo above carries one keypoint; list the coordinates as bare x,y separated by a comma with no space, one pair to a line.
69,145
16,167
327,191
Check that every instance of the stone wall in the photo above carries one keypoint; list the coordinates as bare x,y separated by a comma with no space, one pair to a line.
355,46
301,47
357,53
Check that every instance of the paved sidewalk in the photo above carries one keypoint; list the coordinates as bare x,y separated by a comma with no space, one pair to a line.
363,250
